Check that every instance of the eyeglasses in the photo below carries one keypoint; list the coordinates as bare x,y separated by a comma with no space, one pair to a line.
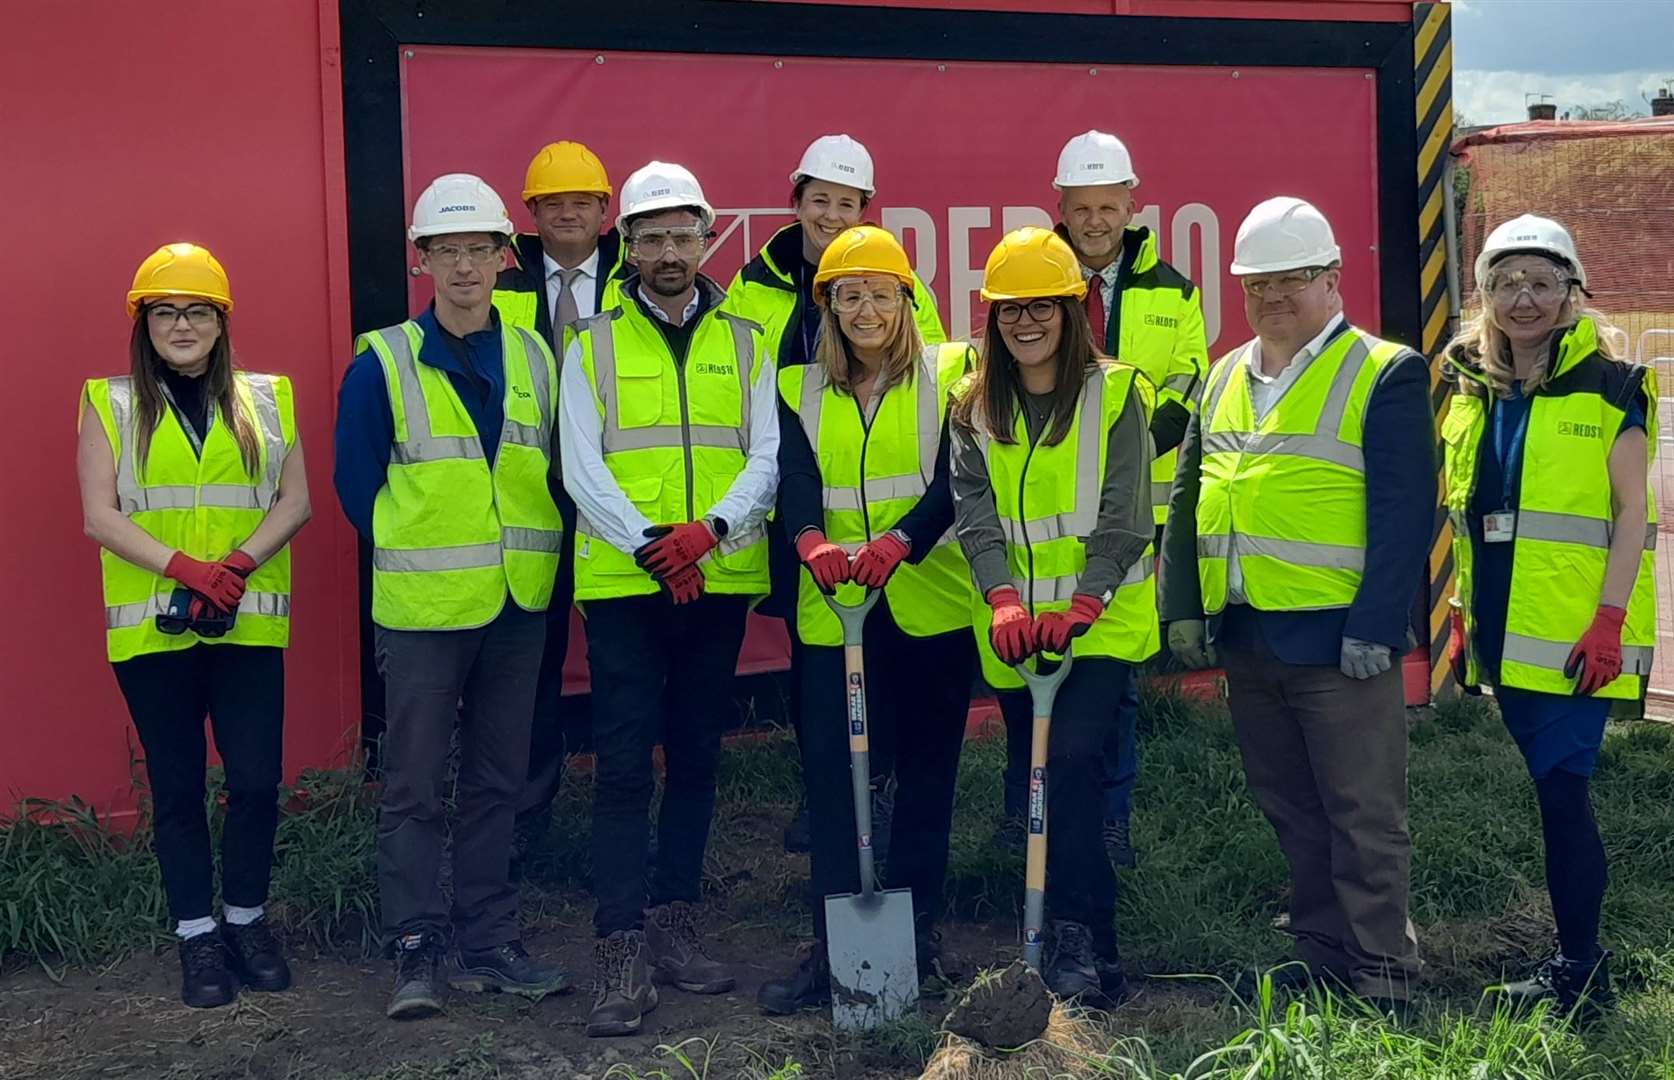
846,300
1545,286
1277,288
1010,311
448,255
199,316
650,243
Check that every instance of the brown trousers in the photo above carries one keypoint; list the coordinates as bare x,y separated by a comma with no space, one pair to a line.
1326,760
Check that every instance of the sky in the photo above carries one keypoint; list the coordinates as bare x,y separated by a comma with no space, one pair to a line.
1581,52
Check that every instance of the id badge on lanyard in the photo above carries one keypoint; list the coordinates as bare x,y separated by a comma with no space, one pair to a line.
1500,527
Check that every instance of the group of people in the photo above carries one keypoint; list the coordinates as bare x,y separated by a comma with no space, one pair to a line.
581,415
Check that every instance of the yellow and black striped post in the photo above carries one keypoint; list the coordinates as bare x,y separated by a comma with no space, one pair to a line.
1432,57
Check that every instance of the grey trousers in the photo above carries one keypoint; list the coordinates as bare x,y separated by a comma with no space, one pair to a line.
1326,760
427,676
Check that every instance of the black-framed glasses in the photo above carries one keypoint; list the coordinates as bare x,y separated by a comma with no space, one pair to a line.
1007,312
649,243
199,316
1282,285
450,255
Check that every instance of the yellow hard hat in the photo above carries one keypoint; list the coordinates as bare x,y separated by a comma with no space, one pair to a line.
1032,262
180,270
565,166
862,251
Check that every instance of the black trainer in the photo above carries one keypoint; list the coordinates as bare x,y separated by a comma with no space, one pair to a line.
255,956
506,968
1118,843
1073,969
418,980
1113,980
206,980
808,987
1577,987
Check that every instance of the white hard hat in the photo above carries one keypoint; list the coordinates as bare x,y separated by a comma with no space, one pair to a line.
839,159
1533,234
458,203
1094,157
658,185
1283,233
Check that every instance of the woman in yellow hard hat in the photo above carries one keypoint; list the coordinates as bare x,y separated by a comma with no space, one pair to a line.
864,495
1051,490
192,483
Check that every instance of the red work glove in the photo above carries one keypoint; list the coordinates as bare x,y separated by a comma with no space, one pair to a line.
673,547
1012,633
1597,657
877,560
828,563
212,581
684,585
239,563
1053,629
1456,644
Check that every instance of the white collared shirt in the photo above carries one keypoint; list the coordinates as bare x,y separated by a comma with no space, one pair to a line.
1106,284
662,316
585,285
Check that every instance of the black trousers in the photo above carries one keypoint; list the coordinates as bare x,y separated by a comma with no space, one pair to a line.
1080,885
921,688
548,746
427,674
659,670
242,690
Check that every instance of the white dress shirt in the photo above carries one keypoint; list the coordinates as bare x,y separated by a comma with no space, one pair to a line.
1265,392
585,286
1105,283
599,497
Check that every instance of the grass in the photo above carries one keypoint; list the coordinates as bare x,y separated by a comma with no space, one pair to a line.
1199,910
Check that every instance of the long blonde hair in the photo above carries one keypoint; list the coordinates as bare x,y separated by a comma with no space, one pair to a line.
1482,346
901,351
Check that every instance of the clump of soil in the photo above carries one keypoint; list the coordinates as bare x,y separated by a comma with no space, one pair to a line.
1003,1009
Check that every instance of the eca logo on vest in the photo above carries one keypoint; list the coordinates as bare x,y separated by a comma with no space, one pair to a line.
1579,430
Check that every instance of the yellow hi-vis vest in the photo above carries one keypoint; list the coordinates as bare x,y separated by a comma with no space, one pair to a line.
873,472
1288,494
1047,498
450,538
202,504
1564,518
675,436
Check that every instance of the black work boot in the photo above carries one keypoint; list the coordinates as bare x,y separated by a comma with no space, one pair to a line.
206,980
418,980
506,968
808,987
623,991
254,954
1118,843
1072,969
677,955
1577,987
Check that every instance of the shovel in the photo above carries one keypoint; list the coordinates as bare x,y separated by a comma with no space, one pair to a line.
1042,689
869,935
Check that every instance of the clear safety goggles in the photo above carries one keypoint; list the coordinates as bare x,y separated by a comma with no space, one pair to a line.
649,243
849,295
1543,286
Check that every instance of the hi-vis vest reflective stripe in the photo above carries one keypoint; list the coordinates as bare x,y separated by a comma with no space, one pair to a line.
449,538
675,436
204,505
1288,495
1564,518
874,472
1047,498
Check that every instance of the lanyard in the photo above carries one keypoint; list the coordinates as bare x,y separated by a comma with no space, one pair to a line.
185,421
807,326
1510,444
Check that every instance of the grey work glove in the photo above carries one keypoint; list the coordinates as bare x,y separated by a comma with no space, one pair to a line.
1364,659
1186,640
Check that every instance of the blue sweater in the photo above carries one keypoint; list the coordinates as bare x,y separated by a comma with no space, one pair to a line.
365,431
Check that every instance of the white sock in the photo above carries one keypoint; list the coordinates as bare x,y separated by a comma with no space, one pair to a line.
242,916
191,928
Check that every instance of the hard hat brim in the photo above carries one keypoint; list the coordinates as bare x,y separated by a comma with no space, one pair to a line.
1060,183
138,297
535,193
1238,269
1076,293
798,176
656,206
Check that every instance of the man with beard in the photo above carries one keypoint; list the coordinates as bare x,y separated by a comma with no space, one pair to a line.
669,433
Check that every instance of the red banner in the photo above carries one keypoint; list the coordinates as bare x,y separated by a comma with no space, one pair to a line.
964,151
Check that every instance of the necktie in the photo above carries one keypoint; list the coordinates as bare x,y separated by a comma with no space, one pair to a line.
567,312
1095,310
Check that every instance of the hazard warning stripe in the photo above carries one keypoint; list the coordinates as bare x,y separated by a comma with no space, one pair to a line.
1432,58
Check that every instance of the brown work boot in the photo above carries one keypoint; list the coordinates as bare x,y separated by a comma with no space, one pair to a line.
677,954
623,993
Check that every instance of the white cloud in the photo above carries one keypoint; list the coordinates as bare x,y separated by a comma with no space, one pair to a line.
1496,97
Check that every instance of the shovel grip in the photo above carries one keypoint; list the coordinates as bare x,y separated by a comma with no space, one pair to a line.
853,618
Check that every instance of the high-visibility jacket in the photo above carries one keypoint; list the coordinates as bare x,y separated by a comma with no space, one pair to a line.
204,504
765,292
675,436
1288,494
1047,498
450,538
1155,323
1564,519
873,471
520,290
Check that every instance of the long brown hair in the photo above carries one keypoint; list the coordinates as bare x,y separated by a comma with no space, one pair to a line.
901,351
997,392
146,366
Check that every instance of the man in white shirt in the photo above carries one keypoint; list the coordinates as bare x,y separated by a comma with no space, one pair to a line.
669,432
